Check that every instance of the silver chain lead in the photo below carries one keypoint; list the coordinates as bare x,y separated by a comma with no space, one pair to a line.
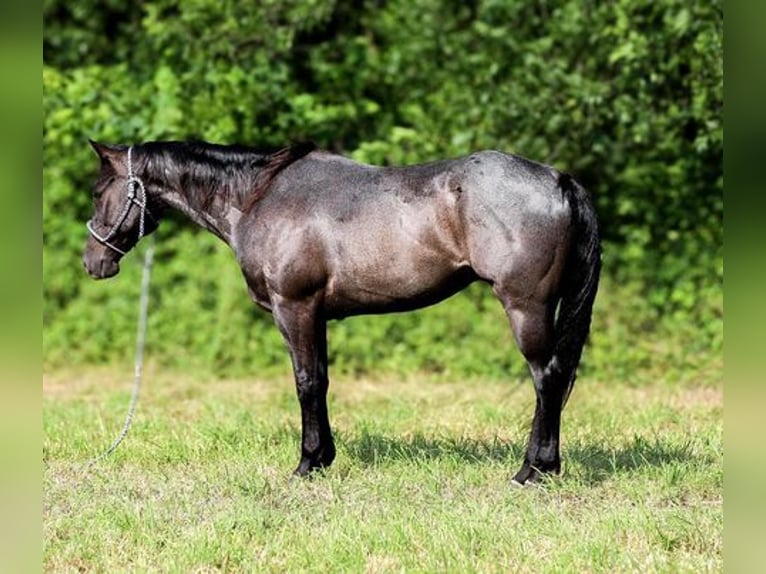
143,309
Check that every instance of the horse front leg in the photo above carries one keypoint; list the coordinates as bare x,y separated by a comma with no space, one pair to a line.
306,336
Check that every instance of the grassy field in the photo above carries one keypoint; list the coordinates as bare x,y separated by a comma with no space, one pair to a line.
421,482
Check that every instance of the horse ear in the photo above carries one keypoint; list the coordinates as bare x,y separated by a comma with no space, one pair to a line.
109,154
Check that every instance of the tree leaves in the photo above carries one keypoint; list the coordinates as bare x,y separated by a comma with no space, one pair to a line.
626,95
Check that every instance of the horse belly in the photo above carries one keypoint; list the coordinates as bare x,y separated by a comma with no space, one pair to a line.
382,279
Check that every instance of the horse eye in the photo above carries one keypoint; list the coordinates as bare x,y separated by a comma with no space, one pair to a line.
101,186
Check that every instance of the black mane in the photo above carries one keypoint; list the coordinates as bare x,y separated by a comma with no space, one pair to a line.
205,171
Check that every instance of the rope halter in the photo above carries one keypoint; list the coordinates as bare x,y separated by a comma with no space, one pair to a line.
136,196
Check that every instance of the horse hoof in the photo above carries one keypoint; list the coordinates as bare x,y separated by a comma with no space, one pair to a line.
304,469
308,468
527,476
532,476
531,483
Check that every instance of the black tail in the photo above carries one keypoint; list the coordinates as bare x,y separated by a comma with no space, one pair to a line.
580,282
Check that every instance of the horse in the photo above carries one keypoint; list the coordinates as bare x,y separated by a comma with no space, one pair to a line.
319,237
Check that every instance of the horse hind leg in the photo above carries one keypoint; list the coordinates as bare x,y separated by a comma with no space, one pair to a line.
532,322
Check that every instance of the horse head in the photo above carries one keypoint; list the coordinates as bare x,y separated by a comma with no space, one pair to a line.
121,215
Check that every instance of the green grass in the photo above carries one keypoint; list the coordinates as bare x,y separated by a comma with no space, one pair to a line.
420,484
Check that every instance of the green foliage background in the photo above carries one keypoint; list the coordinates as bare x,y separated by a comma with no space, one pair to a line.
627,95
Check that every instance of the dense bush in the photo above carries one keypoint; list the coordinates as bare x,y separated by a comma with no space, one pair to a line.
627,95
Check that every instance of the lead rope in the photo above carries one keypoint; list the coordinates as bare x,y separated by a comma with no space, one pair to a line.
143,307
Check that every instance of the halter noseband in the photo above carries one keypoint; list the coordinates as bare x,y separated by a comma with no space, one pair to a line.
133,182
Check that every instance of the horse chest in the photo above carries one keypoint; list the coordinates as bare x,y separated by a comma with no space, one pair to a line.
257,288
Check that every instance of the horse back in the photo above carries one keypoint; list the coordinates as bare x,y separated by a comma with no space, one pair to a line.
379,239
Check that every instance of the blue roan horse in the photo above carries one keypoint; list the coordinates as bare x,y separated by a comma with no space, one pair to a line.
319,237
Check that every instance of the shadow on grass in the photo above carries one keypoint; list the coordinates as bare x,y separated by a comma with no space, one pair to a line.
591,463
372,448
595,463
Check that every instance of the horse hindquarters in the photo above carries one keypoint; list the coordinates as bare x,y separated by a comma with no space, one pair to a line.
554,356
537,244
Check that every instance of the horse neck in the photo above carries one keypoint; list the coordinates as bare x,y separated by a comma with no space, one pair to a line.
214,203
219,221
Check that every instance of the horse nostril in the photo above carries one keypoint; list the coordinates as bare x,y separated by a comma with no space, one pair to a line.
105,268
102,268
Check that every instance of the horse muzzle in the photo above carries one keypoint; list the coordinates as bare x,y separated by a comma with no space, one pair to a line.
100,267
